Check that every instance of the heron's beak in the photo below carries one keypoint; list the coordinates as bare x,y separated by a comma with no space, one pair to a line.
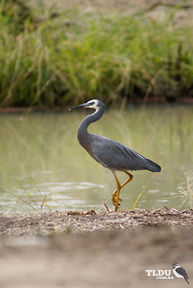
78,106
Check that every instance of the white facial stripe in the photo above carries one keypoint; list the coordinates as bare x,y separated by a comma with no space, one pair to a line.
93,106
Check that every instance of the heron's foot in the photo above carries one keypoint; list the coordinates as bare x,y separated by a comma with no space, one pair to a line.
117,206
114,198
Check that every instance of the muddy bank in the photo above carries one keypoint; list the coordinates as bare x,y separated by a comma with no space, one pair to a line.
99,259
112,250
60,222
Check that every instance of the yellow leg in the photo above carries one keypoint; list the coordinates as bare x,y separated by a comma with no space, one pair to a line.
117,192
114,195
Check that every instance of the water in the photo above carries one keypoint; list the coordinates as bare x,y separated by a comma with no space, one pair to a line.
43,167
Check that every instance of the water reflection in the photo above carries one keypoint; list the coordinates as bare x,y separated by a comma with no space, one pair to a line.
40,156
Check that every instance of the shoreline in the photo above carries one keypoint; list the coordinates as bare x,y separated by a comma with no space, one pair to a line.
58,109
56,223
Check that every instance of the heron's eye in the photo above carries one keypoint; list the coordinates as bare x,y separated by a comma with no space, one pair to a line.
92,103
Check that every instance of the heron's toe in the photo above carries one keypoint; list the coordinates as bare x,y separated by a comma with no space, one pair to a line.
114,197
114,202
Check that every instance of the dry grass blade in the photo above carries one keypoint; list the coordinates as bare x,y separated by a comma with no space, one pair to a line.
186,187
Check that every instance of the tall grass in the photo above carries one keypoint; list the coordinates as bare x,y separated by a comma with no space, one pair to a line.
186,188
78,55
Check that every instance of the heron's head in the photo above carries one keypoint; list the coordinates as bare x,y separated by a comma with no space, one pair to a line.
92,104
174,265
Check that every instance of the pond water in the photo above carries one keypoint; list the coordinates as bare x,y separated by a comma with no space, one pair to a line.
43,167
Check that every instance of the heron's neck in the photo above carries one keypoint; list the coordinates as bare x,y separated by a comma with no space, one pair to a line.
82,129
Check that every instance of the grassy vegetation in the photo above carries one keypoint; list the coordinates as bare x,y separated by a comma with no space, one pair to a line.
73,56
186,188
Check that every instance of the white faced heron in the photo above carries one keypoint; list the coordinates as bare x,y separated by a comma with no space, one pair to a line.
180,272
109,153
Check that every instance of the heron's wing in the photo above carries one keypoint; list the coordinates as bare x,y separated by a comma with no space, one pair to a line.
117,156
182,272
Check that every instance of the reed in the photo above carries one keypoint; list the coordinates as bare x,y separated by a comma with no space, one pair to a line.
76,55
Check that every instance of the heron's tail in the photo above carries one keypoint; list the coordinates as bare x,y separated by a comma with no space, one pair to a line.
152,166
186,280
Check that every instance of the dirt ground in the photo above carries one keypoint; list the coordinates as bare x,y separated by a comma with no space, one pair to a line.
95,249
59,222
155,9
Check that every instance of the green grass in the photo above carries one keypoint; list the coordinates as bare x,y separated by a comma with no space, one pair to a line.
74,56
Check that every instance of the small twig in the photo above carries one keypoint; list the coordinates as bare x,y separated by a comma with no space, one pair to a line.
107,208
121,226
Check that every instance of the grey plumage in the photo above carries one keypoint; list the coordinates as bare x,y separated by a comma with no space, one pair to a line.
180,272
116,156
109,153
